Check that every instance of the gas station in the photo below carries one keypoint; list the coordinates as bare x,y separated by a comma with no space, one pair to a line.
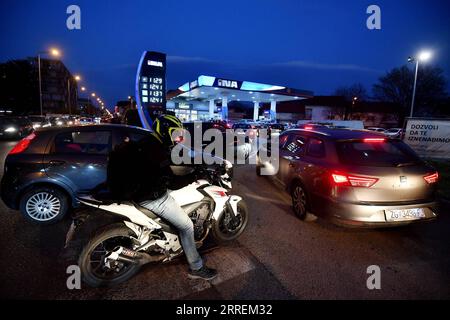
198,99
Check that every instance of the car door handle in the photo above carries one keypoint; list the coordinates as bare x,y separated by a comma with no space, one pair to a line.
56,162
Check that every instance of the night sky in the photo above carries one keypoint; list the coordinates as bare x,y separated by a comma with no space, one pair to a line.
313,45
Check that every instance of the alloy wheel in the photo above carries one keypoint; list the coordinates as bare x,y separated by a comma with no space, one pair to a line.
299,201
43,206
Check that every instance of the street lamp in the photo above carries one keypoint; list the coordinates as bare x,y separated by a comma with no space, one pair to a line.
54,52
69,104
423,56
83,89
131,101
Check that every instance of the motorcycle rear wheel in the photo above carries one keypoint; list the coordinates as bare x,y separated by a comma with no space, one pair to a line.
91,260
224,230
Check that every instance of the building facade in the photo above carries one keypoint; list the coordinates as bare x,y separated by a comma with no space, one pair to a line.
19,80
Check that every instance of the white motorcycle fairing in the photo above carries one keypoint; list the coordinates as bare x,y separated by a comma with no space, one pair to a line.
191,194
142,225
126,210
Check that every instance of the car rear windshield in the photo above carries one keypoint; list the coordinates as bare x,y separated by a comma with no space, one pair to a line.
242,126
389,153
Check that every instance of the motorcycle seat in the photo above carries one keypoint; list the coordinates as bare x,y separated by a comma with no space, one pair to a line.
145,211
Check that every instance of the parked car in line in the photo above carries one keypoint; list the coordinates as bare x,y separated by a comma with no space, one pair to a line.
222,125
246,129
276,128
58,121
46,170
396,133
354,177
86,120
379,130
240,148
15,127
39,121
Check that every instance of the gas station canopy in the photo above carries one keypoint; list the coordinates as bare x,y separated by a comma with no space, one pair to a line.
207,88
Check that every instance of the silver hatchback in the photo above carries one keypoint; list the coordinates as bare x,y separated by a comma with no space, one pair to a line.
356,178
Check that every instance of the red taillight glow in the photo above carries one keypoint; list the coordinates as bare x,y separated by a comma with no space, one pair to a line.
23,144
308,128
432,178
354,181
339,179
229,125
374,140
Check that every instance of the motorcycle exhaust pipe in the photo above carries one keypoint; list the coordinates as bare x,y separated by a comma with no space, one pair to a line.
130,256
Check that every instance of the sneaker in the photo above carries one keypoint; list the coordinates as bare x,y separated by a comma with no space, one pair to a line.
203,273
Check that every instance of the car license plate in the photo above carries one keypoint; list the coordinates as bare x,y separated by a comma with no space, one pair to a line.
405,214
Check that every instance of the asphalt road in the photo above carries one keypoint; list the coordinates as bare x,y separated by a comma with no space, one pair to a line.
278,257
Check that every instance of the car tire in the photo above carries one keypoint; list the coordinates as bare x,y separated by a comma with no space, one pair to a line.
44,205
299,200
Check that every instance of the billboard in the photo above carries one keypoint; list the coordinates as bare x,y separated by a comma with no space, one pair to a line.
429,138
151,86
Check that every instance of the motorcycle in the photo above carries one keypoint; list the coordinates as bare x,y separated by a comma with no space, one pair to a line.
116,252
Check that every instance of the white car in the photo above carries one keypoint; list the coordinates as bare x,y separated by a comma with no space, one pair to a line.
394,133
380,130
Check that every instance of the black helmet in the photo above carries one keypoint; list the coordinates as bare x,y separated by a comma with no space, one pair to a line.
164,126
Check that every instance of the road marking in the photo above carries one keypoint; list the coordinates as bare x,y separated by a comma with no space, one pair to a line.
170,281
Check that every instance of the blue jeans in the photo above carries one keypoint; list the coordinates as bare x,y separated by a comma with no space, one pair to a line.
167,208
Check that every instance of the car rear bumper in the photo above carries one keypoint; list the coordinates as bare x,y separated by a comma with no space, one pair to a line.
369,215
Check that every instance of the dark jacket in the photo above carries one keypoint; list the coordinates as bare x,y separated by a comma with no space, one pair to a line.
141,171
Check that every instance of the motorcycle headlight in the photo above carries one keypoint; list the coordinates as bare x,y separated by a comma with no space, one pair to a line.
10,129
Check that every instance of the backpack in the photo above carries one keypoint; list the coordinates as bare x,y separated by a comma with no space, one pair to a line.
123,178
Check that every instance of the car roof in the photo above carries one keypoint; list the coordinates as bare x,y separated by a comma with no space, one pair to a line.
339,134
101,126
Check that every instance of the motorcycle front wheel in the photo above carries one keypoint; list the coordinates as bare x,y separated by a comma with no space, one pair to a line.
92,259
225,230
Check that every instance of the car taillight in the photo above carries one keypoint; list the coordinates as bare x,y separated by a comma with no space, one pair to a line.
23,144
374,140
432,177
353,181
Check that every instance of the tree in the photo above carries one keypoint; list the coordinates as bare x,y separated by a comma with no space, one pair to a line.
353,94
350,92
397,86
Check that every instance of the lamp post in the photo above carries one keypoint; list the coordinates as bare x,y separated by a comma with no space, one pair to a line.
354,100
131,101
69,104
53,52
423,56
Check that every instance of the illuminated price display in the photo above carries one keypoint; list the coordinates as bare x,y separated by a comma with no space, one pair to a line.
151,84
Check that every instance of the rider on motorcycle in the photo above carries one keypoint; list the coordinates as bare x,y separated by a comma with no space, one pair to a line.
154,172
